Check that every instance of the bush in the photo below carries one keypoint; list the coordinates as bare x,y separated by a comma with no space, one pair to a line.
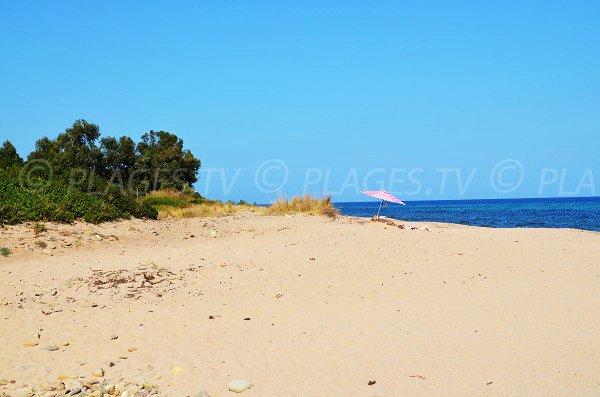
39,228
57,202
168,198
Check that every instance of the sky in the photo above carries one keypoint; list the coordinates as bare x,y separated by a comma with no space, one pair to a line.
429,100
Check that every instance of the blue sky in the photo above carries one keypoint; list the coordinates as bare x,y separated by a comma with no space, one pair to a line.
338,96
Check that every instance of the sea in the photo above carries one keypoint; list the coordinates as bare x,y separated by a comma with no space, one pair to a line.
577,213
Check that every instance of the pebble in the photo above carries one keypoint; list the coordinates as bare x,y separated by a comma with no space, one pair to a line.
239,385
30,344
51,348
113,337
99,372
22,392
72,384
132,349
203,393
85,388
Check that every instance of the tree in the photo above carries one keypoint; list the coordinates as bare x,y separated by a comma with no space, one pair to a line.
118,157
9,156
74,149
79,155
165,162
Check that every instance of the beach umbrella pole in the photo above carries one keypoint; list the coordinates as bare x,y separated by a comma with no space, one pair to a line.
379,210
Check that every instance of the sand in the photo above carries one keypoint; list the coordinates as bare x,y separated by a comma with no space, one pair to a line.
305,306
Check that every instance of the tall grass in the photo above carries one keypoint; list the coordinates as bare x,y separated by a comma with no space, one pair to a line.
208,209
305,204
177,205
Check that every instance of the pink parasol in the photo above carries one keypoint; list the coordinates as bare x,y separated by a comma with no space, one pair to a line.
383,195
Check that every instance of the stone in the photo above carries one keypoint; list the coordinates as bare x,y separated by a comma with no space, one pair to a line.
140,381
22,392
239,385
51,348
30,343
203,393
99,372
83,388
72,384
113,337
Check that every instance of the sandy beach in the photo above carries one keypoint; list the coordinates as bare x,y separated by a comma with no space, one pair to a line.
304,306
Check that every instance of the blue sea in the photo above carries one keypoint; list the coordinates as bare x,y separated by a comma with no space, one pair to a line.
578,213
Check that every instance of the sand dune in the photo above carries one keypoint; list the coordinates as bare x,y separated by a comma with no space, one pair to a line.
304,306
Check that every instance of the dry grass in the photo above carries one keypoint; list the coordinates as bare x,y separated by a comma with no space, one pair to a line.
305,204
206,210
168,193
177,205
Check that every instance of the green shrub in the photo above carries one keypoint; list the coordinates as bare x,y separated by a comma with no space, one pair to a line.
173,198
5,251
57,202
39,228
158,201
